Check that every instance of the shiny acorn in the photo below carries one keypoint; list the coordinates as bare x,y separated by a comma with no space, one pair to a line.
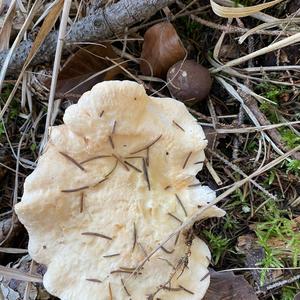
189,82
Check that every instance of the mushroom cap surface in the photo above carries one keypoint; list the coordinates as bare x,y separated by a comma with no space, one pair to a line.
114,181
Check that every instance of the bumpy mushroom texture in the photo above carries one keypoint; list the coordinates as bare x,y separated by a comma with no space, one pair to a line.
114,181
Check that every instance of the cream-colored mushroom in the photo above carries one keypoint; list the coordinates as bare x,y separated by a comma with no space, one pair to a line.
114,181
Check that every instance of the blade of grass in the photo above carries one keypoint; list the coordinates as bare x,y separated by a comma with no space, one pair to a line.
267,26
7,25
56,66
18,275
230,89
272,47
13,250
238,12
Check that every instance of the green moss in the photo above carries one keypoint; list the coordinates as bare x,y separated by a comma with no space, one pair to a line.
33,147
218,245
252,145
292,139
270,111
278,227
293,166
289,293
230,223
273,93
1,130
14,107
271,177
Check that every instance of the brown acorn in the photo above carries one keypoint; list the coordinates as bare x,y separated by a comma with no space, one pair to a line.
189,82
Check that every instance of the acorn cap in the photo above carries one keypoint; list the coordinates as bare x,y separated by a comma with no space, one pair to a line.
189,82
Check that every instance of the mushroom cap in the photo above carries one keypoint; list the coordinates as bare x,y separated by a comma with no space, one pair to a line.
162,48
98,200
189,82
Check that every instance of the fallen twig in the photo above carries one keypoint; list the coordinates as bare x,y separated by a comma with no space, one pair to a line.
105,23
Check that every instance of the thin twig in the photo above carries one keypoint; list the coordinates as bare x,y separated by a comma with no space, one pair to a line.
238,170
213,173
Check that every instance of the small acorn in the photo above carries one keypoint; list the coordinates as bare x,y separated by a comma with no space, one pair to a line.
189,82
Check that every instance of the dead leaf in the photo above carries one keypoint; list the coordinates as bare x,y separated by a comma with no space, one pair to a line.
230,51
83,64
7,26
297,220
238,12
162,48
293,8
4,228
44,30
227,286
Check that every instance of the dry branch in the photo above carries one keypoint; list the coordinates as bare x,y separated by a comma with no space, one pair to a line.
104,23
